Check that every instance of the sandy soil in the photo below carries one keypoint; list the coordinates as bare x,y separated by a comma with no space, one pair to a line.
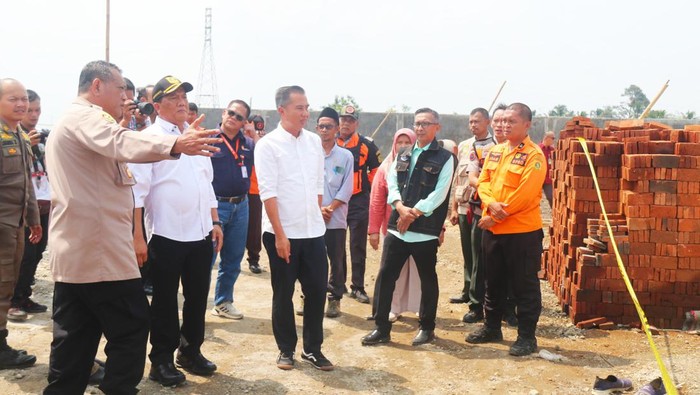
245,350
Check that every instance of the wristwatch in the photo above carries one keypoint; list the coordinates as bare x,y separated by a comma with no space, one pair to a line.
217,223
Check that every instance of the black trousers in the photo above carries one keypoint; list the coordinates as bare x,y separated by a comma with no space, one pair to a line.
335,249
513,259
30,260
358,221
465,237
397,252
172,262
81,314
309,265
477,283
253,242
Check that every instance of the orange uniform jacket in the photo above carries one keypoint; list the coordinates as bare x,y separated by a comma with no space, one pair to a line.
514,178
367,161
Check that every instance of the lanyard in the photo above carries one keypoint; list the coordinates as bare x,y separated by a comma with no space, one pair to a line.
235,152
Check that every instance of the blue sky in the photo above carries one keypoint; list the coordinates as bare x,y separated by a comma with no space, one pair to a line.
449,55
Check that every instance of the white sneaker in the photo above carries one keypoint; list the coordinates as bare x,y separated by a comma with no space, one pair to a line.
227,310
16,314
394,317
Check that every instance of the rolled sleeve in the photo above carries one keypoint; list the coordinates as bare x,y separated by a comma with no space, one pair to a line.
266,170
142,173
392,184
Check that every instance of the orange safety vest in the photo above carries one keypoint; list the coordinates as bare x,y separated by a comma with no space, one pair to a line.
362,179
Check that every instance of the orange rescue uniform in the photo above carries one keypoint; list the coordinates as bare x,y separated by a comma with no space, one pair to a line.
514,177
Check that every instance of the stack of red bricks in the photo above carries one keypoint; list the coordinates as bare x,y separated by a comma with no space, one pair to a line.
649,177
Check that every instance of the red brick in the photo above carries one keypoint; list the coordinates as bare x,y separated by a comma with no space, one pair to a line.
660,236
689,200
591,322
688,225
662,186
687,276
664,262
688,174
688,250
640,223
667,161
687,149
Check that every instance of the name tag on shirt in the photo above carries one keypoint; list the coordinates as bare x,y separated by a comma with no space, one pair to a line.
244,172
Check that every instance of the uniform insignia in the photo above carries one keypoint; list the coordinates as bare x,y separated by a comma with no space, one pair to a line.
538,165
495,156
349,109
108,117
521,145
519,159
12,150
472,156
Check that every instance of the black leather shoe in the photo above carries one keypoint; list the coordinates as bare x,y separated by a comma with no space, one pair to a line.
484,335
459,299
196,365
255,268
166,374
473,316
423,336
376,337
523,346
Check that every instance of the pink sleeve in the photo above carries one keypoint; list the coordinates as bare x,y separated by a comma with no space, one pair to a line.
377,202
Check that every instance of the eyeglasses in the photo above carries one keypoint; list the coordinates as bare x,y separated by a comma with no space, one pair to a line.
325,126
236,115
423,125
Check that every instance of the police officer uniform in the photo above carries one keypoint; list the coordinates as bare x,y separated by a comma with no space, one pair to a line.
18,208
97,286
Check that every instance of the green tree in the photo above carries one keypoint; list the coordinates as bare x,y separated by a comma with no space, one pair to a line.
637,101
605,112
657,114
688,115
341,101
560,110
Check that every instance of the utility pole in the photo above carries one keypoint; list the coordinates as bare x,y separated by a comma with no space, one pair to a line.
107,35
206,85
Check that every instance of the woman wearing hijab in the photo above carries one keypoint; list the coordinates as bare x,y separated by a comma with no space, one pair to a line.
407,293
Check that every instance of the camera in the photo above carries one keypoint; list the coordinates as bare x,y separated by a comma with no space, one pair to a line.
144,107
259,123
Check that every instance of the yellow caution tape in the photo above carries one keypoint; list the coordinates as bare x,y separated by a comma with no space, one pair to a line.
668,383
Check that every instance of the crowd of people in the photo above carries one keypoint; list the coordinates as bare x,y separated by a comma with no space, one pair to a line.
137,199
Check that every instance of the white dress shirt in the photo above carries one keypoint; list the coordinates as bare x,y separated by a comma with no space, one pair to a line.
177,195
291,169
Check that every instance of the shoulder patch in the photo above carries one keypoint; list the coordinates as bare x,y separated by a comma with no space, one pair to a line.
538,165
495,156
108,117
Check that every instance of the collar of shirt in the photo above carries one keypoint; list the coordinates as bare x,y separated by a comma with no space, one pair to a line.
170,128
289,136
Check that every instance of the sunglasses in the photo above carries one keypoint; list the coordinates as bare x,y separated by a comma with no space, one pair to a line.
236,115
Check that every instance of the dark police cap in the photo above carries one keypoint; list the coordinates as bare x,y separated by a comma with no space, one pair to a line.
167,85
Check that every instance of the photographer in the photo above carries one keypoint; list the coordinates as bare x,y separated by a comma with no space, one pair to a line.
135,113
21,304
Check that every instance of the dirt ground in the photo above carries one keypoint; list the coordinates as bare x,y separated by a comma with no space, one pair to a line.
245,350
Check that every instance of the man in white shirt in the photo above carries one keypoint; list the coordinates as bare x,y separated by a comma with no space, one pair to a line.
181,222
289,166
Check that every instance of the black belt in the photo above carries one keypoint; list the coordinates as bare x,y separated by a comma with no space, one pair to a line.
234,199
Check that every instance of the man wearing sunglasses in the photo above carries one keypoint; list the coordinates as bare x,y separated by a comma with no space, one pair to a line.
232,166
